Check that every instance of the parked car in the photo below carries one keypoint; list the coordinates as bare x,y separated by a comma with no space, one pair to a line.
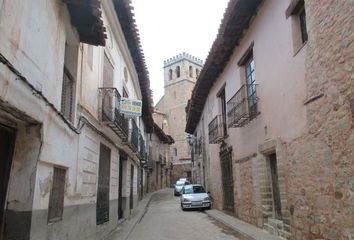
178,187
194,196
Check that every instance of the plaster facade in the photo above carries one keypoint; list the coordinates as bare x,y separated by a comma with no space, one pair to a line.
37,41
304,119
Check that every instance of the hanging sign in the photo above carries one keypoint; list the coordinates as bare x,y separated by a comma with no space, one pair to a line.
130,107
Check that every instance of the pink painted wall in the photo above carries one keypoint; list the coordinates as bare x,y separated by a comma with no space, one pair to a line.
280,77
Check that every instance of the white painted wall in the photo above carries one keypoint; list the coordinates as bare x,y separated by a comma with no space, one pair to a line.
33,36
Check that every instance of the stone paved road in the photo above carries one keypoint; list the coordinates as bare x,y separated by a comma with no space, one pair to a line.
164,220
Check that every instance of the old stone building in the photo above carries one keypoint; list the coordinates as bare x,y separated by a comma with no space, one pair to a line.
159,163
180,74
272,117
73,166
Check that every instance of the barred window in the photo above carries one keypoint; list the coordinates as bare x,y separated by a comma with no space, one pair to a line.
69,80
56,198
67,95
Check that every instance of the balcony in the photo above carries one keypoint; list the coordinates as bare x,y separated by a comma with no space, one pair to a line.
242,107
216,130
133,136
109,106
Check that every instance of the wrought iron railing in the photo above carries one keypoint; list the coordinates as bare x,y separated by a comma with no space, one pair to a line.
242,107
109,111
216,129
134,135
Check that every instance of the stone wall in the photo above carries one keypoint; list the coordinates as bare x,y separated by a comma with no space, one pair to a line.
180,171
320,164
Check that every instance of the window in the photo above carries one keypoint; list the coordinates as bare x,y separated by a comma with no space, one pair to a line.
104,170
174,94
302,18
56,198
222,100
107,72
251,86
170,74
69,82
296,11
190,71
178,71
67,95
175,149
196,72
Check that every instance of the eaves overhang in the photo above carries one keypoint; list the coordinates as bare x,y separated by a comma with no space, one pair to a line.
167,139
86,17
235,22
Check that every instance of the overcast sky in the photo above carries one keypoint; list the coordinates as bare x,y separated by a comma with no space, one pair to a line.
170,27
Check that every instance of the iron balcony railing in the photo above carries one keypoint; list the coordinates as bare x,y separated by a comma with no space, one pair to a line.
243,106
216,129
134,135
109,111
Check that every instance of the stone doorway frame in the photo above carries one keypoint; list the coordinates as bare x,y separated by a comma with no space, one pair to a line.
278,227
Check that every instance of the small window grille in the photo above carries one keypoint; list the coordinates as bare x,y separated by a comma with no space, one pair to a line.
190,71
56,198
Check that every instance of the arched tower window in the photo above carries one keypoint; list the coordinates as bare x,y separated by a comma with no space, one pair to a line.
190,71
170,74
196,72
178,71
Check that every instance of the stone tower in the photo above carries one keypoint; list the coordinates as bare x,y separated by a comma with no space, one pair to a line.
180,75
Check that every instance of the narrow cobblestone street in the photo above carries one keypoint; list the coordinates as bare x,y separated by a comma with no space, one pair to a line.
164,220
